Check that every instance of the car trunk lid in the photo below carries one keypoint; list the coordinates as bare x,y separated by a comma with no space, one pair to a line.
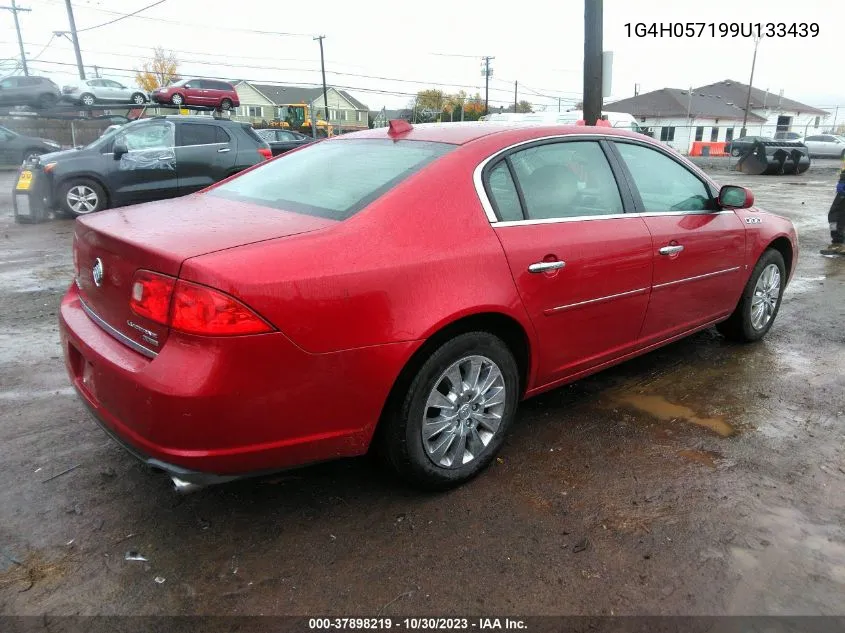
110,247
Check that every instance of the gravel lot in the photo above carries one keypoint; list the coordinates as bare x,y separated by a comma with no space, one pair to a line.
703,478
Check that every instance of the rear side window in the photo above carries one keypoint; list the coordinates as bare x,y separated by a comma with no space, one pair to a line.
332,179
222,135
197,134
252,134
503,193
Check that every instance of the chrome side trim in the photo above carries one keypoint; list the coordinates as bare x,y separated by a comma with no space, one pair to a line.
629,293
696,278
120,336
609,216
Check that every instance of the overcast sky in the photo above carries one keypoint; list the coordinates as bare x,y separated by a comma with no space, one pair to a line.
405,47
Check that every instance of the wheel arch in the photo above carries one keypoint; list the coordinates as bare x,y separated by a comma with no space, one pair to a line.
506,327
61,181
783,245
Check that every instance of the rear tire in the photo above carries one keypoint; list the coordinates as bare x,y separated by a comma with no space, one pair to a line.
87,99
735,152
81,196
471,421
138,99
47,101
226,104
760,302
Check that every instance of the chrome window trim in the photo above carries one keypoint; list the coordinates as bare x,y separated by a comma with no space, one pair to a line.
120,336
609,216
629,293
696,278
491,214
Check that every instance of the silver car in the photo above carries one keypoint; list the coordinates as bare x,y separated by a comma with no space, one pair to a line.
91,91
826,145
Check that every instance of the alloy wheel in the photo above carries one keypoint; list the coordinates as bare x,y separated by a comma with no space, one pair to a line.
82,199
463,412
766,296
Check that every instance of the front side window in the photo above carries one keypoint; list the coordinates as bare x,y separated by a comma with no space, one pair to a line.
159,135
332,179
565,180
663,184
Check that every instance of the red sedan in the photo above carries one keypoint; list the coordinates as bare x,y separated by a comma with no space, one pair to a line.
406,286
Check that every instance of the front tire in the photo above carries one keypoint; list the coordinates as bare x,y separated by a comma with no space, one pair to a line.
87,99
760,302
80,197
226,104
177,99
735,152
452,418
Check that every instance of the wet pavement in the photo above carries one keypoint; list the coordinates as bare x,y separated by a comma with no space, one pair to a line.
703,478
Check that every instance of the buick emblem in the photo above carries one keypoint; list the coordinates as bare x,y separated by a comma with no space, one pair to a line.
97,272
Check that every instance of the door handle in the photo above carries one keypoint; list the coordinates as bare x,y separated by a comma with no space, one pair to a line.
671,250
223,150
544,267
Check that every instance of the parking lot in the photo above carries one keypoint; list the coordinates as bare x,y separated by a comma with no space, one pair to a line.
703,478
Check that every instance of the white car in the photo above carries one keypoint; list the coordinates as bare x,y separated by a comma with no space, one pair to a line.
91,91
825,145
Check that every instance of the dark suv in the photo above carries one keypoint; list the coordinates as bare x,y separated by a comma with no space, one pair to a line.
150,159
37,92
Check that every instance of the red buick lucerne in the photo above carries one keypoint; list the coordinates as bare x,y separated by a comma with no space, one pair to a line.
405,286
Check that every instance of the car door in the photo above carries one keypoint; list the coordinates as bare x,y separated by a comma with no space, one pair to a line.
194,93
120,93
204,155
815,145
832,146
148,170
698,248
582,266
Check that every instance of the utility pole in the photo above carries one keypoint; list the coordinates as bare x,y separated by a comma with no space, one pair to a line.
558,104
14,9
75,39
835,116
323,69
750,84
515,84
96,72
486,71
593,17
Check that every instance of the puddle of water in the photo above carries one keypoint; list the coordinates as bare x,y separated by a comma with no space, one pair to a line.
662,409
705,458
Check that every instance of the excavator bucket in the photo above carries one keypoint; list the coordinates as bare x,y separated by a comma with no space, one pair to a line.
774,157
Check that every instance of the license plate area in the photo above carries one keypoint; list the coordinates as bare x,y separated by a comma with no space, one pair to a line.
24,180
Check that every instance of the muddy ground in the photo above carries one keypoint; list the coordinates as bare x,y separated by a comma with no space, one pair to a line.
703,478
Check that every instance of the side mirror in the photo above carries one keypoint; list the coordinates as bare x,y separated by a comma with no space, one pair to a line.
733,197
119,149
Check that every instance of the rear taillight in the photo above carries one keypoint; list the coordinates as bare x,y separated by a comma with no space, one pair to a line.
266,152
192,308
151,295
201,310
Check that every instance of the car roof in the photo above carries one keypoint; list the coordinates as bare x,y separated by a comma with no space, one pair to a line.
191,118
466,132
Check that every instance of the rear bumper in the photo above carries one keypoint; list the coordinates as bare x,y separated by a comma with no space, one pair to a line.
210,409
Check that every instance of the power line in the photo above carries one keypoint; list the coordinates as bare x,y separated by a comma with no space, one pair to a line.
122,17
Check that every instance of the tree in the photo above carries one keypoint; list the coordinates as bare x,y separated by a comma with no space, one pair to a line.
161,70
524,107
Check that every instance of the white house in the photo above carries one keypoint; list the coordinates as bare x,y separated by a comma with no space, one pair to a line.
264,103
714,113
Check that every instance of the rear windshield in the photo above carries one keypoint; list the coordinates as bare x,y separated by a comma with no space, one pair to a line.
332,179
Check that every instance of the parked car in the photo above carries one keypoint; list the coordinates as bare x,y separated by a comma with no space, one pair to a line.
16,148
90,91
436,277
199,92
788,136
150,159
36,92
743,144
826,145
281,141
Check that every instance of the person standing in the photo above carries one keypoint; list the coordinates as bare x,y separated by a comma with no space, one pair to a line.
836,218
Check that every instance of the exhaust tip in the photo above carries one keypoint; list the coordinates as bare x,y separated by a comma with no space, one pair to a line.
185,487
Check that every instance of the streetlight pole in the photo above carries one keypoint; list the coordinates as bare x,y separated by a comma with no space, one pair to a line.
593,21
750,84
